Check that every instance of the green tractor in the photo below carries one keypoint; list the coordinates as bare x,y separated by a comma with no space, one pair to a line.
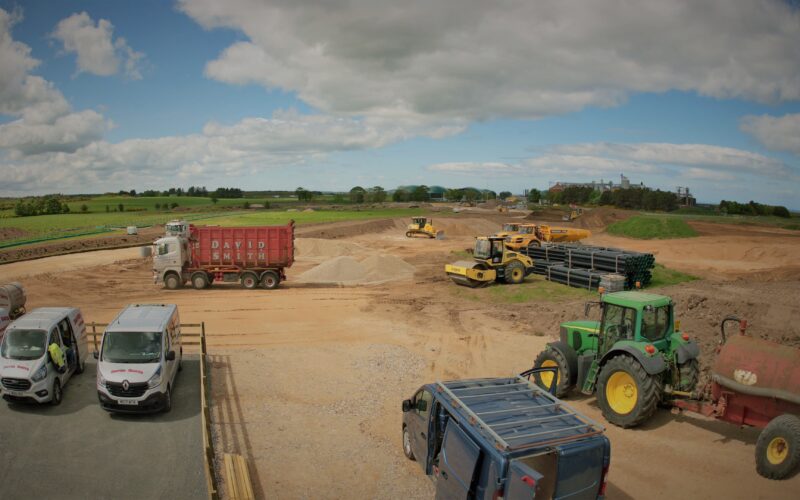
632,358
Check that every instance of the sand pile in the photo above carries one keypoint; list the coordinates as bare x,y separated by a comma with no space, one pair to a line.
318,249
346,270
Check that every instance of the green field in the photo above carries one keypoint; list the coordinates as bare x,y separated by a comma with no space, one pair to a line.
647,227
74,224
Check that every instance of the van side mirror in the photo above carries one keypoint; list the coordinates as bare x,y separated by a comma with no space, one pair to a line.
170,356
422,405
406,405
96,355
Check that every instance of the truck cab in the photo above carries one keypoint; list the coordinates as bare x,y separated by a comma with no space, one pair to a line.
139,359
28,372
503,437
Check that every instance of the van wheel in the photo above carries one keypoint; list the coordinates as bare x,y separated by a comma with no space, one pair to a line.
172,282
407,451
167,400
57,394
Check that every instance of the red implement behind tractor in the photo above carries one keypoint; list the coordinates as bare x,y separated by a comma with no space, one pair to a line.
755,382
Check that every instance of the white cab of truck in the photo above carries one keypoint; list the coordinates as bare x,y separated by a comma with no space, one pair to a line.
139,359
27,371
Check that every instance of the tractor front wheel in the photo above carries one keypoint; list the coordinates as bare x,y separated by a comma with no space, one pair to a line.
553,358
778,447
627,395
514,273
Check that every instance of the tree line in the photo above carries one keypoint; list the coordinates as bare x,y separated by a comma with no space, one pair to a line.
752,208
45,205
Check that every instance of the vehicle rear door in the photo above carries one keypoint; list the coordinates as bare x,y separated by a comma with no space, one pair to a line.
457,463
522,482
581,468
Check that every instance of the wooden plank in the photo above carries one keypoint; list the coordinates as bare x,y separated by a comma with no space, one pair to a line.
237,477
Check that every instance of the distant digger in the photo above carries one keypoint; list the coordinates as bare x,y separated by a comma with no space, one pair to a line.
423,226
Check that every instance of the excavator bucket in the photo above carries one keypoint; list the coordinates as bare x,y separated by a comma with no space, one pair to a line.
470,274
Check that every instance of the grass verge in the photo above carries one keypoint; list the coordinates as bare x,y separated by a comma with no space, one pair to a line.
664,276
648,227
535,288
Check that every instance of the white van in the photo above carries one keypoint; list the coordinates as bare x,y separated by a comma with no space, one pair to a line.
27,372
139,359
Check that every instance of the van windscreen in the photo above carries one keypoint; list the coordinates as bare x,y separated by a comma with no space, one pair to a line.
132,347
24,344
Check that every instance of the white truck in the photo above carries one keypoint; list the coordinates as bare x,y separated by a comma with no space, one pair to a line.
27,371
139,359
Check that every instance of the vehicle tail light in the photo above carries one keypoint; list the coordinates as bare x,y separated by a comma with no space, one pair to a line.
685,336
529,481
603,481
650,349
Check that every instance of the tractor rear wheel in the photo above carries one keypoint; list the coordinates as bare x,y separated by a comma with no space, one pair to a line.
778,447
627,395
553,358
688,375
514,273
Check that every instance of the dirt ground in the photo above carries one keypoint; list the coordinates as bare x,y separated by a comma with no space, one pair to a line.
307,380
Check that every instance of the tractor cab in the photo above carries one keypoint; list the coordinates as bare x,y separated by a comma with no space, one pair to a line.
636,317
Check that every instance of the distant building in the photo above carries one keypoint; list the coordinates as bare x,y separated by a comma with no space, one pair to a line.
601,186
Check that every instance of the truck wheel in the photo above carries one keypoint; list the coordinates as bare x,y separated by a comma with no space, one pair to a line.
553,357
688,375
200,280
172,281
626,393
57,393
778,447
514,273
270,280
407,451
249,281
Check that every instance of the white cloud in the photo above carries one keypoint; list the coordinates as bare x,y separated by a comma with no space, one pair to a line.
97,51
43,119
249,147
457,60
484,169
781,133
691,155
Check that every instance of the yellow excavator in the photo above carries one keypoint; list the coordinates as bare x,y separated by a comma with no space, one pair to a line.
423,226
493,262
535,234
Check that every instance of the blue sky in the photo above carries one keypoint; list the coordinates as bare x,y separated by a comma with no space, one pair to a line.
111,95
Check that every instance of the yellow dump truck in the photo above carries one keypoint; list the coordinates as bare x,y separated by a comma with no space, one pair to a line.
535,234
